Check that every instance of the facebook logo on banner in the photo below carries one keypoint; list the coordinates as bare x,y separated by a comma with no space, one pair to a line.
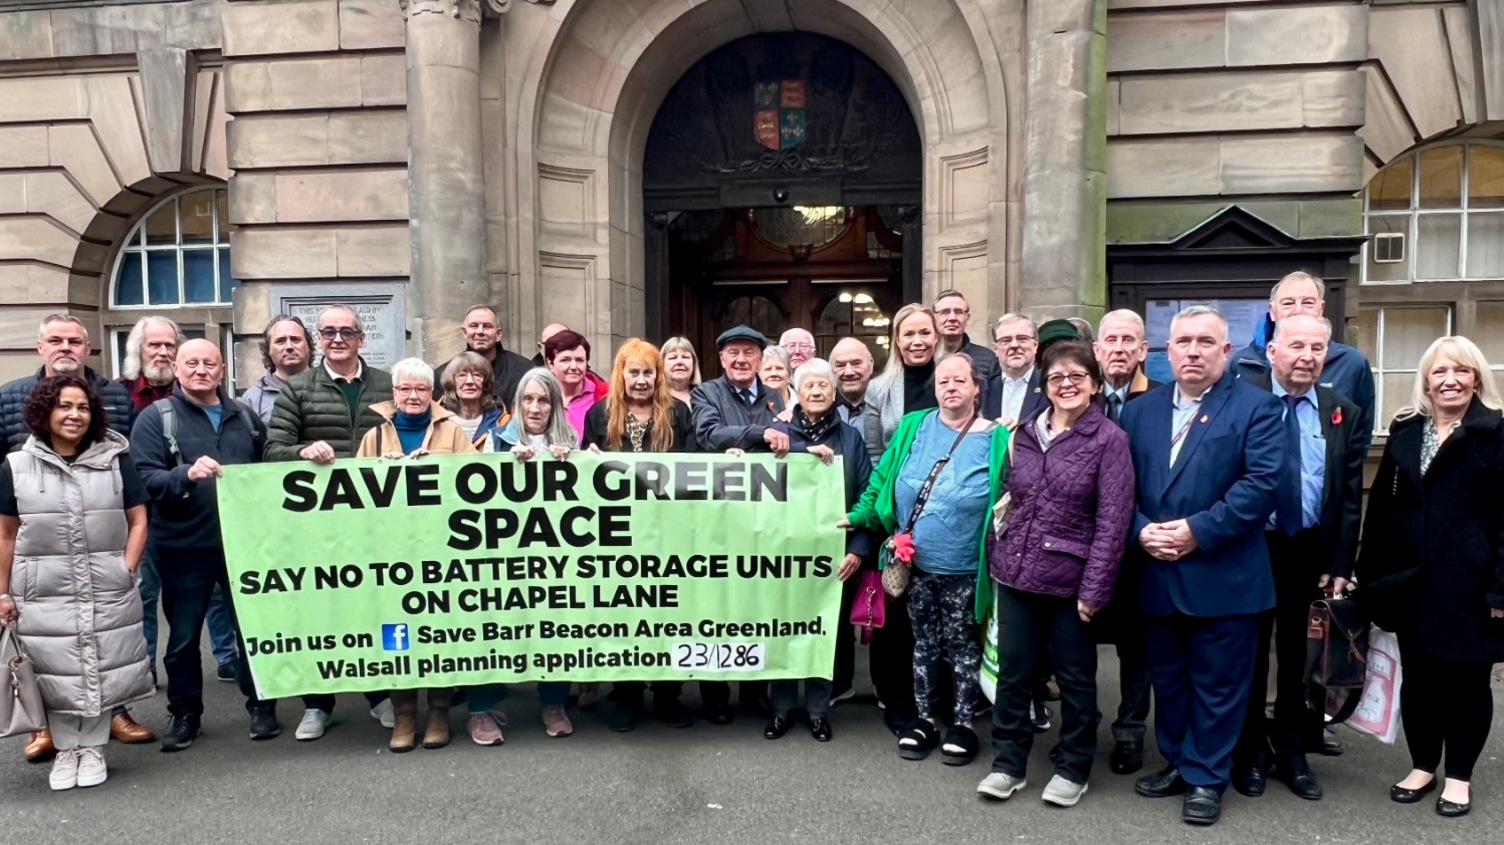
394,637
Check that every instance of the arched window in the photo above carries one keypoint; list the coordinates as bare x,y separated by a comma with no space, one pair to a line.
1437,215
178,255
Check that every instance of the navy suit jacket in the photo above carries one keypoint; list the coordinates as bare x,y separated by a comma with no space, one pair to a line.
992,397
1225,484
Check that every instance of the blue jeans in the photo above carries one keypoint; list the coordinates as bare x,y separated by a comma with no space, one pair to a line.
221,630
487,696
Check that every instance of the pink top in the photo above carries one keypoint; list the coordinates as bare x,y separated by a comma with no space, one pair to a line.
575,409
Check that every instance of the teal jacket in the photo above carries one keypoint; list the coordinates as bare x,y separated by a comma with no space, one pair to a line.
875,510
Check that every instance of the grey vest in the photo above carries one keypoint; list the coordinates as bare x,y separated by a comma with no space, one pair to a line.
80,613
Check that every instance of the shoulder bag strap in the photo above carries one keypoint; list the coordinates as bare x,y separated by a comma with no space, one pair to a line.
929,482
169,417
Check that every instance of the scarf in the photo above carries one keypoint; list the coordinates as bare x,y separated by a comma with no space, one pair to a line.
411,428
814,432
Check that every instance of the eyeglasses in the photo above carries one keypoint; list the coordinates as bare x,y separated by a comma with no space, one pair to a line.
418,390
1019,339
1076,379
346,332
953,312
801,347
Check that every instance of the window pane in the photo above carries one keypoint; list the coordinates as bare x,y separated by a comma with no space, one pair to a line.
226,283
1485,246
1397,389
1397,272
1488,331
162,225
1485,177
128,290
198,217
162,276
198,275
1390,189
1408,332
1439,237
1441,178
223,200
1367,325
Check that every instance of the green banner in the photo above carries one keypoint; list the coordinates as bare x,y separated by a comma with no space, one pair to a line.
459,570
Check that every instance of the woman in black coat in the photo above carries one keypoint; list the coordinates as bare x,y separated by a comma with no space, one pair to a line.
1432,565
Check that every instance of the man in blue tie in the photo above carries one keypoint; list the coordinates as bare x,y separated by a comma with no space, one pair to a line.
1209,455
1312,540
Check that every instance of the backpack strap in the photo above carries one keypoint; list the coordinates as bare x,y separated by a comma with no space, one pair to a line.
169,417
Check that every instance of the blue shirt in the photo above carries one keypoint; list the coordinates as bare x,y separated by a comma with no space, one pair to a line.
1182,417
1312,454
216,413
945,536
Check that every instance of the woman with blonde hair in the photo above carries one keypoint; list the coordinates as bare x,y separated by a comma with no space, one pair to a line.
681,367
1432,565
639,415
907,382
468,388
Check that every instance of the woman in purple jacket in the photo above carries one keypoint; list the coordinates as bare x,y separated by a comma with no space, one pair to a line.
1055,558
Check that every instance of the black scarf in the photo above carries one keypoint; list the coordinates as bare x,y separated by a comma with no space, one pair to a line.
814,432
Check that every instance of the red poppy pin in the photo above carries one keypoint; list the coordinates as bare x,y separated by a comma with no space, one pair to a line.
1204,419
1336,416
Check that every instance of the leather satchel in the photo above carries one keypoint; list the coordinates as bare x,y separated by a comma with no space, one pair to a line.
21,703
1336,656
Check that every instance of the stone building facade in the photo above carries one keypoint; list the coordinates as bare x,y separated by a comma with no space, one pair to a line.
219,161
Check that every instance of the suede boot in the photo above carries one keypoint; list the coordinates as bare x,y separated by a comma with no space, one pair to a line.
437,735
405,730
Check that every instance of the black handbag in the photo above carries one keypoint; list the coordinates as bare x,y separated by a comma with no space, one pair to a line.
1336,656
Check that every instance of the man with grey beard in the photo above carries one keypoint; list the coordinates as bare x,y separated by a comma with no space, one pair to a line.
149,352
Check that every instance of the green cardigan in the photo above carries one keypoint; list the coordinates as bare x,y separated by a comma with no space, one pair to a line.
875,510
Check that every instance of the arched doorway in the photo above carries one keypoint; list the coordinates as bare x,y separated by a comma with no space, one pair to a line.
781,181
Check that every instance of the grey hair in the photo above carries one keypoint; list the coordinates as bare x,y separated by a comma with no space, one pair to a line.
345,308
682,344
61,318
1010,318
131,368
1125,314
1322,320
776,351
412,368
1197,311
559,430
1299,276
813,367
1084,328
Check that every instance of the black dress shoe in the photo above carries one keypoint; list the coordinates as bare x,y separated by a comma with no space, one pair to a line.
1127,757
1330,745
1451,809
1297,774
777,727
1161,784
1202,806
1249,780
819,728
1400,795
718,713
625,716
672,711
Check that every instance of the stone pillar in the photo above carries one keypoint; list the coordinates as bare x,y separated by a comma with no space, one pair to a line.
446,198
1064,260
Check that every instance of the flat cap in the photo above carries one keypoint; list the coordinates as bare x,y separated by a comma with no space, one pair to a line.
1058,330
746,333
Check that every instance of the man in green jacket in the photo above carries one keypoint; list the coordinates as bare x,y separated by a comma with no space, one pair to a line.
321,415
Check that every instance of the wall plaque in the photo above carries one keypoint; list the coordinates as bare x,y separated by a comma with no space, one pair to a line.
381,306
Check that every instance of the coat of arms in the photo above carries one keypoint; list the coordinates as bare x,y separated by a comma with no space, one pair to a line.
778,121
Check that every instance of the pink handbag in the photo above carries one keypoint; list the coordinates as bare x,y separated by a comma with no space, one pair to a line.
870,608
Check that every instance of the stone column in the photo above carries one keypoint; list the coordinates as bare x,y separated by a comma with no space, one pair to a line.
446,198
1064,260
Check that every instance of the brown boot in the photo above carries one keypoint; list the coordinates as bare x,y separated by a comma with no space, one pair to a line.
405,730
437,735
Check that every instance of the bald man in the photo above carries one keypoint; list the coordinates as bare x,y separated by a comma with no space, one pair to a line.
210,431
852,361
548,331
800,345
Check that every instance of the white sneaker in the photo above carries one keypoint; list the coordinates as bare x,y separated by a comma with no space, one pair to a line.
64,770
1000,786
384,714
91,769
313,724
1062,792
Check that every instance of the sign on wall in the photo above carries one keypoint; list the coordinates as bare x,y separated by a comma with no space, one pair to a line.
380,306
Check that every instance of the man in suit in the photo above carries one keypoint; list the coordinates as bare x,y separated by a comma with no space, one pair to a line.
1209,455
1016,340
1312,540
1122,346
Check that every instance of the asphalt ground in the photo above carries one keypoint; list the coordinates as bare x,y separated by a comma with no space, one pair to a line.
707,784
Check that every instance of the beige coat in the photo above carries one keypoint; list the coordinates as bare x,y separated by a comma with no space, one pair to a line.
444,435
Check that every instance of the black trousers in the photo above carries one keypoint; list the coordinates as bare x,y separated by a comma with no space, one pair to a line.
188,582
845,669
1026,624
1296,727
630,692
1134,684
1444,706
892,662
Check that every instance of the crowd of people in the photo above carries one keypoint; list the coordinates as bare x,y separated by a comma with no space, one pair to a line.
1045,483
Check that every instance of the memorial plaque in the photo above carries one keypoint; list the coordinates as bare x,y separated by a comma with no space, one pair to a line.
380,306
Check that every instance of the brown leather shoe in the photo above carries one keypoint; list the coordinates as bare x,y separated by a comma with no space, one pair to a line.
405,729
127,730
39,747
437,733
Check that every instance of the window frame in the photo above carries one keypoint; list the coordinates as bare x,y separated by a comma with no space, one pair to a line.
135,244
1415,212
1377,366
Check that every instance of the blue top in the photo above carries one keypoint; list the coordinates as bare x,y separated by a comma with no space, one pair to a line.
411,428
215,413
1312,454
945,536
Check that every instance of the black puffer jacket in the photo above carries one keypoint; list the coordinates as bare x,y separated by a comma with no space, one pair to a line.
312,408
13,431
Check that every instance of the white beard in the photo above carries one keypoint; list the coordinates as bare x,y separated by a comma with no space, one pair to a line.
156,374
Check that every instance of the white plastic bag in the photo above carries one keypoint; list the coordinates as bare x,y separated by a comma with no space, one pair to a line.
1378,714
989,653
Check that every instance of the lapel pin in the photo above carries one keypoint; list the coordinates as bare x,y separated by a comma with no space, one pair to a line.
1204,418
1337,416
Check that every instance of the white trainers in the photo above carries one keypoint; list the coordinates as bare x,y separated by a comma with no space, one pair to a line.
91,769
313,724
1000,786
384,714
64,770
1062,792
